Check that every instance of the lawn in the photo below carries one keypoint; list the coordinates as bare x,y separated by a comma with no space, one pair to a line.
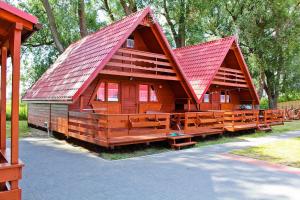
286,152
23,129
288,126
141,150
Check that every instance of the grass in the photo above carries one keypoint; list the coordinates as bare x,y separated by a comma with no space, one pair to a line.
23,129
141,150
288,126
286,152
22,111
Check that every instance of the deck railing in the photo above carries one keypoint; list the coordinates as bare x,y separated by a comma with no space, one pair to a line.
195,121
136,63
272,117
10,174
100,128
241,120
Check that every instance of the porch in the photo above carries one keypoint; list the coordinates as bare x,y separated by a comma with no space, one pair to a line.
110,130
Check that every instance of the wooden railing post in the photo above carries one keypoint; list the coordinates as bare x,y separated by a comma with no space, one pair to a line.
3,100
15,48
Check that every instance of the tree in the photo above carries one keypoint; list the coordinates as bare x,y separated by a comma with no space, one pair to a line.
53,26
82,20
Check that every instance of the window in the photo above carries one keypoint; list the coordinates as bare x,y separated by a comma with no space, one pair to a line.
112,92
108,92
206,97
153,96
143,93
225,97
101,92
130,43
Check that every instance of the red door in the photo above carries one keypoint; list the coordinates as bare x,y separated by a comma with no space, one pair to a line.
129,98
215,101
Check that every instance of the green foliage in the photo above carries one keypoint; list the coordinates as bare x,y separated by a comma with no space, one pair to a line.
268,33
23,129
264,103
22,111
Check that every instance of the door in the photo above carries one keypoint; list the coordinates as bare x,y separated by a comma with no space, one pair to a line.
215,100
129,98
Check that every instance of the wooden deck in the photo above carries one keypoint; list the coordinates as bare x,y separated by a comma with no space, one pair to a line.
110,130
204,123
10,174
271,117
241,120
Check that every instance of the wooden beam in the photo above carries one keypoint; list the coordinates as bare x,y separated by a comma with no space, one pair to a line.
232,70
15,48
3,99
130,66
142,53
15,19
140,75
229,74
117,57
229,84
230,79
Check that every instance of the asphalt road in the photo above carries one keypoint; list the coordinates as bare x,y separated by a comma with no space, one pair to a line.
55,170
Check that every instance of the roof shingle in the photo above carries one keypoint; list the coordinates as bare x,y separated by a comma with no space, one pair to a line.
201,62
81,60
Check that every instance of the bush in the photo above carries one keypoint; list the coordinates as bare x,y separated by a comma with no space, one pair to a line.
264,104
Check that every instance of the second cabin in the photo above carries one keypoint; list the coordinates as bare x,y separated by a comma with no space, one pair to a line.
125,85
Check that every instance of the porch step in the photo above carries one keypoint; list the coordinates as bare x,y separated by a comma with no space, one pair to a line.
184,144
182,140
265,128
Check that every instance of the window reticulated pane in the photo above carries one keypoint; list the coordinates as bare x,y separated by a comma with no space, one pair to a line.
113,92
143,93
101,92
206,97
153,96
222,97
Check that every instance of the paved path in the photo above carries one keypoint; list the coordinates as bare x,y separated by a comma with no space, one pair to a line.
56,170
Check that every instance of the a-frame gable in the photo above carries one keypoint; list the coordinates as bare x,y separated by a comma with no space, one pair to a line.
237,75
134,62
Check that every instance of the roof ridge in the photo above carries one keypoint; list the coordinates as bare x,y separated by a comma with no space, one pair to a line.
111,24
205,43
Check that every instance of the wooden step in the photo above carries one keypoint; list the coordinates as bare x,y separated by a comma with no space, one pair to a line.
265,128
184,144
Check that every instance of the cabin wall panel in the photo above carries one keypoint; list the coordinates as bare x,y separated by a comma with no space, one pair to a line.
38,114
59,118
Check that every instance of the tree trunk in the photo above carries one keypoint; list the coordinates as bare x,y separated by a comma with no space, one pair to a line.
53,26
129,8
82,20
273,100
108,10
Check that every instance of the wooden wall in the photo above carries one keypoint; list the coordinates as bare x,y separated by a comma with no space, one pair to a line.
59,118
165,94
38,114
56,115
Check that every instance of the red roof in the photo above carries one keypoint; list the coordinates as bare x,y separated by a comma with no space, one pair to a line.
81,62
201,62
17,12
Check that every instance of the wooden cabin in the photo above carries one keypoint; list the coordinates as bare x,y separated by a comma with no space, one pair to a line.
15,27
220,78
125,85
114,87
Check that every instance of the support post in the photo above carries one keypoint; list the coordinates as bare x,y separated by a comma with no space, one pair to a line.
3,99
15,48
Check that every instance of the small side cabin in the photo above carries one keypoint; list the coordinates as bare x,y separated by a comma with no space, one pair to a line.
125,85
219,77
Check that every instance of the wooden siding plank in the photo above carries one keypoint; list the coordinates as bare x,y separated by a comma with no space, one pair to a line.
140,75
